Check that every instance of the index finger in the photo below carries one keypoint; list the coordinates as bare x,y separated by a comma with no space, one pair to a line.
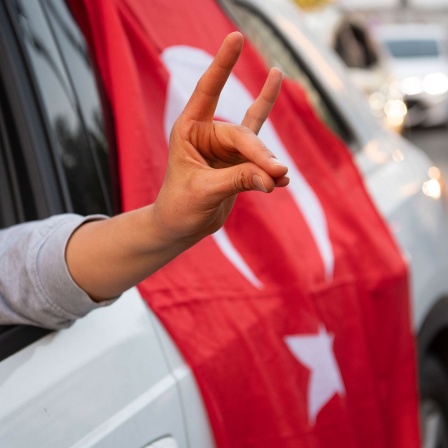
202,103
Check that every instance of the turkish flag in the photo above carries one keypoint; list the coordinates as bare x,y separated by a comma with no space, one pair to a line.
295,316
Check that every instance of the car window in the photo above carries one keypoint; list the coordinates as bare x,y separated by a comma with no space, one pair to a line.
7,208
354,47
7,215
412,48
16,196
73,151
276,53
16,205
75,54
53,153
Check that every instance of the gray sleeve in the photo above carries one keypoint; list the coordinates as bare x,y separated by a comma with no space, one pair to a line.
36,287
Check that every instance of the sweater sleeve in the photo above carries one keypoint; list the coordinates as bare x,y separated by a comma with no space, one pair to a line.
36,287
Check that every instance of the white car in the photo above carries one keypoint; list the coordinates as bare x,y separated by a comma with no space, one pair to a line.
418,59
115,379
351,38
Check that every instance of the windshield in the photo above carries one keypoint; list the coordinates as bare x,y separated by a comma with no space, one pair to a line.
413,48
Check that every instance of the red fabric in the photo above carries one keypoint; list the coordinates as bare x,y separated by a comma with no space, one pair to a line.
257,391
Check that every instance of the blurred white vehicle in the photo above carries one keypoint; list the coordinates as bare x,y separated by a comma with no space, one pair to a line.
115,379
351,38
418,59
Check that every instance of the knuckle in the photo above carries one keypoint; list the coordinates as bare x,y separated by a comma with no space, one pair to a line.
244,130
205,87
242,181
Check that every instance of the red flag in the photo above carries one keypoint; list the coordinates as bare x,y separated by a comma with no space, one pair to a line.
295,317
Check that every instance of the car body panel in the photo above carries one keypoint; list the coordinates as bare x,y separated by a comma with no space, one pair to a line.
93,384
196,419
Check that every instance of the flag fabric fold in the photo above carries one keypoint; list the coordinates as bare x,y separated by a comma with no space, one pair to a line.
295,317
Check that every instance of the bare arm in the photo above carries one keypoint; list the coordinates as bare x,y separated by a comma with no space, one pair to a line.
209,164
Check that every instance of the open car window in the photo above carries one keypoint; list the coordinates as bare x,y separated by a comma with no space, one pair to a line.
54,155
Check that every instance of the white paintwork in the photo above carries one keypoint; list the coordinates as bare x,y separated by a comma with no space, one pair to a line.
104,382
196,421
166,442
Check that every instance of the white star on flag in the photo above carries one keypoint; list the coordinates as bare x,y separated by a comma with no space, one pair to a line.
315,352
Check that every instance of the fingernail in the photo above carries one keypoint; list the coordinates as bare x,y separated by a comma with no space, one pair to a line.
278,163
259,184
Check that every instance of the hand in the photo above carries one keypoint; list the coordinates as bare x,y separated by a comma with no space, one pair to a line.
210,161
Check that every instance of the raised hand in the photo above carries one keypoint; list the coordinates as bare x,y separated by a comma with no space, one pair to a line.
211,161
209,164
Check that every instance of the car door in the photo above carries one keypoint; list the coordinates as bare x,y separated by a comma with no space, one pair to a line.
105,381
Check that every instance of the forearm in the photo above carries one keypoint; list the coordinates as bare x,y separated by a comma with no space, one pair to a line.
107,257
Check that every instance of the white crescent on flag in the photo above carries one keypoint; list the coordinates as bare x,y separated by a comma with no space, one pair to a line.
186,65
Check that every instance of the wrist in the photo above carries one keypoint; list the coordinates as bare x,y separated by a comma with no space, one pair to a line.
160,236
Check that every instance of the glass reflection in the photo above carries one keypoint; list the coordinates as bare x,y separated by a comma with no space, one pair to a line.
61,108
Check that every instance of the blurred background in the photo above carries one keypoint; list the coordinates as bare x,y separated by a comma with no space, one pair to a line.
396,52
